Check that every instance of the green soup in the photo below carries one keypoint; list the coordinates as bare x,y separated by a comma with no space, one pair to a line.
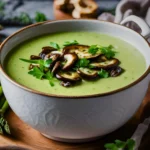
131,60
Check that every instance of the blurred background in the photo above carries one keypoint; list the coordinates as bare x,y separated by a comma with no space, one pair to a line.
14,14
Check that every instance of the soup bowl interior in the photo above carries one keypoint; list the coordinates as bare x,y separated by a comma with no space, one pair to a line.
75,119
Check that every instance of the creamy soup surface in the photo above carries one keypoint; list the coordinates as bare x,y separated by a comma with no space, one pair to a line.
131,60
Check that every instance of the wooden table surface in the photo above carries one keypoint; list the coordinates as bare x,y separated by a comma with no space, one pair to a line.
29,139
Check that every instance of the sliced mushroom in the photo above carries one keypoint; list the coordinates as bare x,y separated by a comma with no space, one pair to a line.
64,5
46,50
31,66
68,76
116,71
70,60
65,84
87,73
34,57
56,67
106,64
84,9
81,50
101,58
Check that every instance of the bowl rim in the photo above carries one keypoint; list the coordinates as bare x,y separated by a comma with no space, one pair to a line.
67,96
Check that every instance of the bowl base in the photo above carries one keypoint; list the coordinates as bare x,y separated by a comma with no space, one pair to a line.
71,140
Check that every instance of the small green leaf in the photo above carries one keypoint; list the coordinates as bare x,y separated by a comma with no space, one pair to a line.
25,18
36,72
108,51
120,144
82,63
31,61
54,45
130,144
51,83
47,63
93,49
39,17
111,146
103,73
6,128
73,42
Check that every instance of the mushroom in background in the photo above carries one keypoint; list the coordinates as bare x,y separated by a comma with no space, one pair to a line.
78,8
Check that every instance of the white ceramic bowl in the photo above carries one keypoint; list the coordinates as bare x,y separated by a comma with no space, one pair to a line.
81,118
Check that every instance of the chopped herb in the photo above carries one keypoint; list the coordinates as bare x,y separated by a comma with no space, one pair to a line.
55,45
24,18
93,49
47,63
82,63
103,73
49,76
120,145
73,42
108,51
40,17
36,72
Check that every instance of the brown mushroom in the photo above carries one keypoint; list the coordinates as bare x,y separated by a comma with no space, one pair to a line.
105,64
81,50
70,60
64,5
34,57
88,73
46,50
31,66
116,71
84,9
56,67
68,76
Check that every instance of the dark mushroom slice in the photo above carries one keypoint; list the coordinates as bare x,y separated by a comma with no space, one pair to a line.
70,60
81,50
68,76
31,66
56,67
65,84
46,50
101,58
87,73
106,64
34,57
116,71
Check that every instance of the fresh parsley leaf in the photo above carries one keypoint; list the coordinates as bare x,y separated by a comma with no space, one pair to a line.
51,83
103,73
93,49
130,144
55,45
49,76
120,144
111,146
31,61
72,42
36,72
47,63
25,18
108,51
39,17
82,63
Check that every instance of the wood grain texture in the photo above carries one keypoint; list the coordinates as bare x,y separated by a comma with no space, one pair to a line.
29,139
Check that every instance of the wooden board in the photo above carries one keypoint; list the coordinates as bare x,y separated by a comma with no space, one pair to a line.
26,137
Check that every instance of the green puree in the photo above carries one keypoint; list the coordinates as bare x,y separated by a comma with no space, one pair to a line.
131,60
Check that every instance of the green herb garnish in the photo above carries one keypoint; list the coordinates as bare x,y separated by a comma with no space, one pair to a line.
93,49
24,18
82,63
73,42
120,145
54,45
107,51
36,72
103,73
40,17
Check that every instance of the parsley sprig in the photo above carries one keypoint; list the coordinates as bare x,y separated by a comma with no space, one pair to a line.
108,51
54,45
72,42
121,145
38,72
82,63
103,73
